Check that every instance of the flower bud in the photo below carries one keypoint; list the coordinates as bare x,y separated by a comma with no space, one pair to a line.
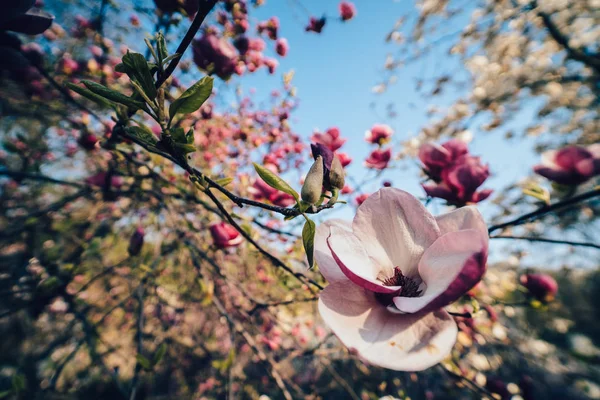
541,286
225,235
336,174
136,242
313,184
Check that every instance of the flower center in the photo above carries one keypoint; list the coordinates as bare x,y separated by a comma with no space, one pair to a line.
410,286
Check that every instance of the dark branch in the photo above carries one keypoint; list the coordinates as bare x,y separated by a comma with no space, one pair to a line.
546,240
541,212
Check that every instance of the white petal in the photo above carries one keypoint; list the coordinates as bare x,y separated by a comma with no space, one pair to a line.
462,218
449,268
353,260
395,228
323,257
406,342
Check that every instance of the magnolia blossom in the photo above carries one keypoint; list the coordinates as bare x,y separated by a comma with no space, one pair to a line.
390,272
460,182
100,180
571,165
261,191
225,235
282,47
541,286
315,24
436,158
344,158
379,134
331,138
347,10
379,159
215,54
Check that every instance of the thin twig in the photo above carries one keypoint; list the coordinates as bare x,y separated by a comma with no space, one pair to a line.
546,240
204,9
545,210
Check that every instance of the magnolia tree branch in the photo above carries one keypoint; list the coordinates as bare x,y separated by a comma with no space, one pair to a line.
546,240
203,10
543,211
239,201
276,261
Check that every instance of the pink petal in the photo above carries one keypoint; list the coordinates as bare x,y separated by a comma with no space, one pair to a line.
396,341
449,268
327,265
460,219
354,262
395,229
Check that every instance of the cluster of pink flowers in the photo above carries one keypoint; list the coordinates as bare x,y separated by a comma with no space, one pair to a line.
456,174
379,158
215,53
571,165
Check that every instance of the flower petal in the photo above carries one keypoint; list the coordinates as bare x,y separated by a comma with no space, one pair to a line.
327,265
354,262
395,228
460,219
401,342
449,268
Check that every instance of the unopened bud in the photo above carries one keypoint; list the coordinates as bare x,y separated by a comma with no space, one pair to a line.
313,184
336,174
136,242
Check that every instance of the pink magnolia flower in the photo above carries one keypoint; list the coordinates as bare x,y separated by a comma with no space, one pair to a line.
225,235
215,54
436,158
347,10
361,198
541,286
379,134
282,47
344,158
571,165
100,180
331,138
261,191
379,159
315,24
460,182
390,272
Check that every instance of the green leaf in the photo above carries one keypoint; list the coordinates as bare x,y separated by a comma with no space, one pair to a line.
186,148
160,353
308,240
142,133
192,98
161,46
18,382
178,135
113,95
5,394
189,136
89,95
274,181
223,181
144,362
138,70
